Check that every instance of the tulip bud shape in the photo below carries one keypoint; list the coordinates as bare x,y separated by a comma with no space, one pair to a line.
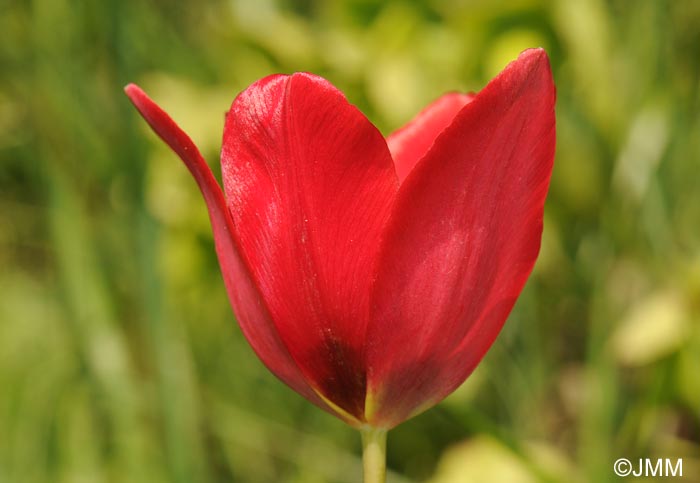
372,274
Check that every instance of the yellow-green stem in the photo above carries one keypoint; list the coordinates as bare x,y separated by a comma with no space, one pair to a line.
374,455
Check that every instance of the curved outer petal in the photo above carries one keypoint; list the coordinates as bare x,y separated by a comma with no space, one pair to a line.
410,143
309,182
461,241
251,313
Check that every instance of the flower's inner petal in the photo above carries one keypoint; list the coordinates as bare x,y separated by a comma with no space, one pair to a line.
411,142
252,316
461,241
309,182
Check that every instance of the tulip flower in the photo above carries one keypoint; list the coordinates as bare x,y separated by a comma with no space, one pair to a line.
372,274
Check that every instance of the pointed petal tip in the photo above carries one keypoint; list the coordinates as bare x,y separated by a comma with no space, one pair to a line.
168,130
134,92
533,52
534,56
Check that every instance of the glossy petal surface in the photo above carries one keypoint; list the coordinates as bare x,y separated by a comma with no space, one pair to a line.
461,241
309,182
250,310
410,143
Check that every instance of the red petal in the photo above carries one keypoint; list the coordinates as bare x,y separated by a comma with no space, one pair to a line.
461,241
410,143
251,313
309,182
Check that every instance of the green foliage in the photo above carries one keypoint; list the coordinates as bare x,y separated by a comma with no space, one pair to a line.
120,360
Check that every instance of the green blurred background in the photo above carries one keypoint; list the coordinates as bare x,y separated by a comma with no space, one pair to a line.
120,360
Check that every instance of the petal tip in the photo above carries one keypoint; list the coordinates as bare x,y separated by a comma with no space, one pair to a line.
534,52
132,90
534,56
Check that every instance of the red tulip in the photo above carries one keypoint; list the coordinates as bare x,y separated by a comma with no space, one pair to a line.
371,275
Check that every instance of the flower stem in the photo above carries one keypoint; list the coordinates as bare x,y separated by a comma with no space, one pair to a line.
374,455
